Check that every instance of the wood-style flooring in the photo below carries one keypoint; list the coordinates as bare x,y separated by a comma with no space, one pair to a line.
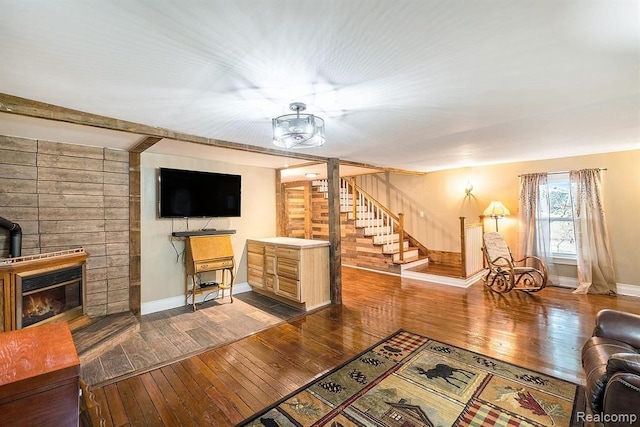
159,337
225,385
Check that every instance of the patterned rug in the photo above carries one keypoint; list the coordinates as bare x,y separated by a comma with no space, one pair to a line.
410,380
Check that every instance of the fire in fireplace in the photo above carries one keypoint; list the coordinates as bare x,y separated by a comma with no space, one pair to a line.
49,294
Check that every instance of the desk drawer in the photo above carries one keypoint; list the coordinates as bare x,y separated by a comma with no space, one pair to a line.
288,253
288,268
288,288
257,248
255,260
214,265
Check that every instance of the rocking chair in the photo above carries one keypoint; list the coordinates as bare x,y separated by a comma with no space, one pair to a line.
528,274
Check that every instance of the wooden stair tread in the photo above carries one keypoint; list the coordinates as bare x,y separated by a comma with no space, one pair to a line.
103,333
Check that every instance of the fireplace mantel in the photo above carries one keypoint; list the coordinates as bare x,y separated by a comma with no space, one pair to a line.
13,271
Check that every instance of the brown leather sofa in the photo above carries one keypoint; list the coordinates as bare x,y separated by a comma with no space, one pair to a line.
611,361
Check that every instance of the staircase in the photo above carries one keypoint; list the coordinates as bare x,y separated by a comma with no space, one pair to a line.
370,234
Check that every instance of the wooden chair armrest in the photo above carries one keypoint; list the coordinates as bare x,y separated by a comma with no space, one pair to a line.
508,264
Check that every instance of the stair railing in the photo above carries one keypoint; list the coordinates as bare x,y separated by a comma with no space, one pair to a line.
382,220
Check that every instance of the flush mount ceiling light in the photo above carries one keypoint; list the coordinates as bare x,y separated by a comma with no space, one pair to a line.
298,130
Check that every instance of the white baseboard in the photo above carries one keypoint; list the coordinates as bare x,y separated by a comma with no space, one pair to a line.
179,301
629,290
622,288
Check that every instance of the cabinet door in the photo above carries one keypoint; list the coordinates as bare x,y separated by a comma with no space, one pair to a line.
255,269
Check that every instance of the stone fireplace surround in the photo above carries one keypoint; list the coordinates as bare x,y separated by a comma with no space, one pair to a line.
66,196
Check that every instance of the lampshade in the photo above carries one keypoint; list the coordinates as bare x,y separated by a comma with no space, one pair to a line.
496,209
298,130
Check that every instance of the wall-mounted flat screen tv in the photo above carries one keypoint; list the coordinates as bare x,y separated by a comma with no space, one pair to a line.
185,193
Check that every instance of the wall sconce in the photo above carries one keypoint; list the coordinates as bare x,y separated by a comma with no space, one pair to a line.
496,210
468,189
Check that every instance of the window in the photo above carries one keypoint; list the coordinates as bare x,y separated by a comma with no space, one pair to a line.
563,239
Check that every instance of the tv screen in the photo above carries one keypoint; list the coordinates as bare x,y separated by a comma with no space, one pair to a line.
184,193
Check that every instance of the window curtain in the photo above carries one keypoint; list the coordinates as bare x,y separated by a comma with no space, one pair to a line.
535,227
595,261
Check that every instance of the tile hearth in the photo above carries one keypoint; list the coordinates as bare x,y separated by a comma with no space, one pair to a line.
122,345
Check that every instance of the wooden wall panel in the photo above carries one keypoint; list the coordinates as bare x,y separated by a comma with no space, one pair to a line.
64,196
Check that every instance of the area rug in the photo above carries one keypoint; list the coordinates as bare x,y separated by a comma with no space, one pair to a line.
411,380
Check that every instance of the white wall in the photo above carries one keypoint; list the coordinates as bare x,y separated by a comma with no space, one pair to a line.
162,261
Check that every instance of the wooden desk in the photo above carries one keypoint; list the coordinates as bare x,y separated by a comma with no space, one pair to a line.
204,254
39,377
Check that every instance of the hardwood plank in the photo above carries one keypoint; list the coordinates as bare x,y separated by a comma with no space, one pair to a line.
164,410
201,410
100,396
172,398
115,409
213,389
151,416
134,413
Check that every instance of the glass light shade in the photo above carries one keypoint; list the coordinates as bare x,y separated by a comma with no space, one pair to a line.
496,209
298,130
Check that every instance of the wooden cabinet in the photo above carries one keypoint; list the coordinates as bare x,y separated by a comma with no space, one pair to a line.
294,271
39,377
208,254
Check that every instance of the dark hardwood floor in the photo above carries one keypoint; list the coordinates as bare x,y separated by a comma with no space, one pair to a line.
227,384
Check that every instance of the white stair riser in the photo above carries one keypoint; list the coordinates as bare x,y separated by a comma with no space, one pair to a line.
369,223
375,231
391,248
381,240
408,255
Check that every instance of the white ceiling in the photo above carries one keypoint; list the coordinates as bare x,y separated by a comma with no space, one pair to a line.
420,85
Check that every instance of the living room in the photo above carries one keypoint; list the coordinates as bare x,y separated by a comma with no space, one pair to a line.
582,119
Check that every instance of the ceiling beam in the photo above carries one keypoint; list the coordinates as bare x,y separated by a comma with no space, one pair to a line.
26,107
145,144
12,104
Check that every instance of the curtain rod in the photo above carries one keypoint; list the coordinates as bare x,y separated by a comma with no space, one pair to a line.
559,172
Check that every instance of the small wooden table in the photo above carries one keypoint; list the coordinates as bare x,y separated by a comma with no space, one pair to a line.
205,254
39,377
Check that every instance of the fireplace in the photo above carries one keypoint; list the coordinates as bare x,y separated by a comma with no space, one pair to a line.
42,288
42,296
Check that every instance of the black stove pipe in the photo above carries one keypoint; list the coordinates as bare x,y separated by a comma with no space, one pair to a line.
15,235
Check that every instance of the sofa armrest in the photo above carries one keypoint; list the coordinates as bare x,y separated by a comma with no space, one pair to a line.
623,362
622,400
618,325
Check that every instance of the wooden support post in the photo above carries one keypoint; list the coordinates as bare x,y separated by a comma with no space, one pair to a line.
335,245
135,239
281,226
308,212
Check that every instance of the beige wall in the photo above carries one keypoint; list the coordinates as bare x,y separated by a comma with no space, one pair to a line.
162,270
441,198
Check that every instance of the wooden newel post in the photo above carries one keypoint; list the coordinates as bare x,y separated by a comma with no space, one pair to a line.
463,248
401,235
354,198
